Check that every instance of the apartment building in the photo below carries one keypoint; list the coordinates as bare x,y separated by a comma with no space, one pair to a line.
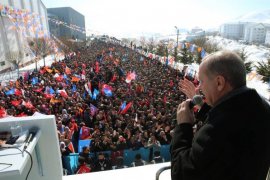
232,30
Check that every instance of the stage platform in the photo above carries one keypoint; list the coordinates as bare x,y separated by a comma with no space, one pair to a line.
147,172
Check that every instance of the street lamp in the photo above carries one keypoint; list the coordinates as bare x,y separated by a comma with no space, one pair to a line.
177,31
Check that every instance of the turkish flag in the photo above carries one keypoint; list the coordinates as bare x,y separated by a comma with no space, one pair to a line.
28,105
16,103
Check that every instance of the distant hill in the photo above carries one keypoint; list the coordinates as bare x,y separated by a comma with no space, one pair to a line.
255,16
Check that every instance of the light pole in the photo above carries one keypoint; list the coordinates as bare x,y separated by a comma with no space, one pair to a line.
177,31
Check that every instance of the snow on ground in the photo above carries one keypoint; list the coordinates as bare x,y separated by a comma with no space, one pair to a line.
13,75
262,88
48,61
254,53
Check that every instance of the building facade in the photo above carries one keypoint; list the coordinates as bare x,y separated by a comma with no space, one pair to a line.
232,30
195,30
67,23
249,32
255,33
17,17
267,38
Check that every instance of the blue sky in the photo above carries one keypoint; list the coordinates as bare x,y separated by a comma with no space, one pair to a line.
139,17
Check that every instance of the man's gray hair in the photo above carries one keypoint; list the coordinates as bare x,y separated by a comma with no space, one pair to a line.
227,64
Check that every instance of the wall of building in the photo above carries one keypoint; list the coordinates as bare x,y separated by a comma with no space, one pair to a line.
14,39
232,31
70,17
255,33
248,31
267,38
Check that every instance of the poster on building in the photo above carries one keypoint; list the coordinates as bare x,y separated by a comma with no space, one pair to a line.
3,10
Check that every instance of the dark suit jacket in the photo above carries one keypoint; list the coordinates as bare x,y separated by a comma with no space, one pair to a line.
234,144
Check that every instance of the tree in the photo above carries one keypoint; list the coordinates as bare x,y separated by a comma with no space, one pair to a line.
263,68
204,44
162,49
151,44
40,47
125,41
243,54
68,45
200,42
175,54
198,57
15,58
211,47
186,56
143,42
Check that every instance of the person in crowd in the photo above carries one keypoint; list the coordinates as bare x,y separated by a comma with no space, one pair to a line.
234,142
119,163
65,151
73,90
157,158
86,155
82,168
153,145
102,163
138,161
163,138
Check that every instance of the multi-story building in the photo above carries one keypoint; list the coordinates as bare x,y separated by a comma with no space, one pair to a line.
19,21
70,23
267,38
195,30
249,32
232,30
255,33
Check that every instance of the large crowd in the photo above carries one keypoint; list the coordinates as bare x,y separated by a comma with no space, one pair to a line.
111,94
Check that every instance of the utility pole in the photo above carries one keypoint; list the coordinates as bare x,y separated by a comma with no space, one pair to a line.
175,55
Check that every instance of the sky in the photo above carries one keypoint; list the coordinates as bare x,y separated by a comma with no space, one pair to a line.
135,18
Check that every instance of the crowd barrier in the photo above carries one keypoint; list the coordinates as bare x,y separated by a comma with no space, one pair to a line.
71,162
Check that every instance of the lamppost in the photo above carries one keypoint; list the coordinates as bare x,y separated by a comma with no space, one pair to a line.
177,31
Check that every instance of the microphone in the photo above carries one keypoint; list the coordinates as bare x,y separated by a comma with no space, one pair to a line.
28,140
196,100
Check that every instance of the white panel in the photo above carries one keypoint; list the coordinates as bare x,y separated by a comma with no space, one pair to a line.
35,6
5,2
11,36
27,4
44,18
17,4
47,159
147,172
2,48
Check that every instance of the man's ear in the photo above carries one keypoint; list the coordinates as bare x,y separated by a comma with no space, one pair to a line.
220,82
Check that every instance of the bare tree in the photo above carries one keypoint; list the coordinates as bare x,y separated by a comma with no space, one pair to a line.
143,42
41,47
200,42
151,44
205,44
125,41
15,58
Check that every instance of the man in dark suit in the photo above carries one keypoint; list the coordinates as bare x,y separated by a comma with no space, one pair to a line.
234,142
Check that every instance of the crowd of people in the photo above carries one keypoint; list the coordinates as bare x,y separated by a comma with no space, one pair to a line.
121,99
113,95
